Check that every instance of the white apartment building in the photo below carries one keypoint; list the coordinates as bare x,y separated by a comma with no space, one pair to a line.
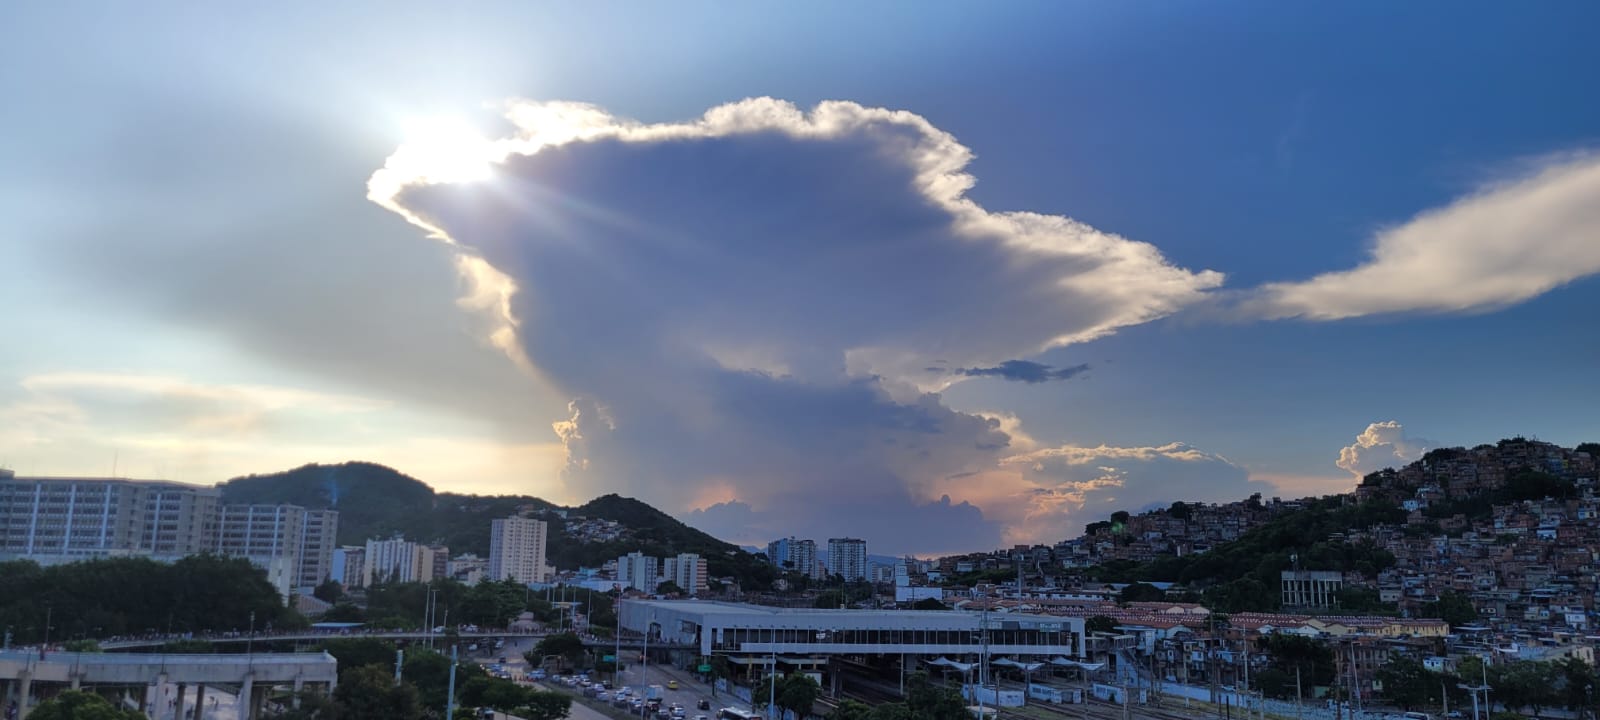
796,555
317,541
270,536
638,571
517,550
847,557
58,520
392,560
687,571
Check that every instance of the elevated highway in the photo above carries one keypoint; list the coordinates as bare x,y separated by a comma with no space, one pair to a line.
30,676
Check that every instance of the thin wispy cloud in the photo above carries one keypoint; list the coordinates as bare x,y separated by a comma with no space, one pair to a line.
1504,245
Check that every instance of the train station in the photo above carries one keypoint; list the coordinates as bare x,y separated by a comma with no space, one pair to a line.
826,643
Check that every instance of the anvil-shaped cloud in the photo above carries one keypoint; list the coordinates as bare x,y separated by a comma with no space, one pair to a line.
753,310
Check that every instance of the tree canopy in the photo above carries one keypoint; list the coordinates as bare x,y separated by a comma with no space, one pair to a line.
123,596
80,705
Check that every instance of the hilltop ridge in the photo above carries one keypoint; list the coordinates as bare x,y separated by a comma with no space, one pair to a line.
375,501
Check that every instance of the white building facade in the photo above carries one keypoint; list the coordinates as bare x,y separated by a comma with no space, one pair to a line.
847,557
517,550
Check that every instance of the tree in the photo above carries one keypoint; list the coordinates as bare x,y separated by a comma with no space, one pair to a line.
369,693
566,645
891,711
541,705
1525,684
1579,685
668,587
1100,623
355,652
1120,517
830,599
329,591
1141,592
1405,682
79,705
850,710
929,604
794,692
1451,607
344,612
1180,511
1289,653
925,701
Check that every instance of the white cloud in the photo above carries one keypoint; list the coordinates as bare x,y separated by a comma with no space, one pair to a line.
1049,494
1381,445
762,301
1501,246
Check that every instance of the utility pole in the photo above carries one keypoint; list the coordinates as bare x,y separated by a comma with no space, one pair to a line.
450,697
1297,695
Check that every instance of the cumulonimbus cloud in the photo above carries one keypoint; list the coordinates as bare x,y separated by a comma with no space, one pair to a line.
1381,445
1501,246
757,305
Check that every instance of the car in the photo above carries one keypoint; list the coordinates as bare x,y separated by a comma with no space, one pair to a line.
704,704
672,684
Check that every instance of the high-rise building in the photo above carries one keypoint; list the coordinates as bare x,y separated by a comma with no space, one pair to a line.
638,571
687,571
317,541
270,536
517,550
57,520
847,557
348,565
397,560
797,555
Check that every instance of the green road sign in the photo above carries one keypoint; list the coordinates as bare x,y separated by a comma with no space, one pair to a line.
705,668
609,658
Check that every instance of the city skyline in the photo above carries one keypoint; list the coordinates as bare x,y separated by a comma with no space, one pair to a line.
963,277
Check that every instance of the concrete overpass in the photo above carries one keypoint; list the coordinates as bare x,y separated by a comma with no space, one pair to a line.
29,676
316,636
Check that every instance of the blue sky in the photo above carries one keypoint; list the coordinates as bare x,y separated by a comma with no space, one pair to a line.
1293,222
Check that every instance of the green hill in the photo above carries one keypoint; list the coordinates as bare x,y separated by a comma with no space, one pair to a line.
377,502
372,500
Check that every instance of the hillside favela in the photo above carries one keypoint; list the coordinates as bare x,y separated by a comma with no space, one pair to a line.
905,360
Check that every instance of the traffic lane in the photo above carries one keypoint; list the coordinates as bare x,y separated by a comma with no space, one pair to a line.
690,691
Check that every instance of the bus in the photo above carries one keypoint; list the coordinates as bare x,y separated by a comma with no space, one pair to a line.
737,714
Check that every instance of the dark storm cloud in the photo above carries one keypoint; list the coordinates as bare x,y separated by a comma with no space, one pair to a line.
1025,371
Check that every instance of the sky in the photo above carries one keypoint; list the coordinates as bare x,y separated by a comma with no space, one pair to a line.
943,276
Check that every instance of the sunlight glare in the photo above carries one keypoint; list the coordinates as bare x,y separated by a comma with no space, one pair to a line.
444,150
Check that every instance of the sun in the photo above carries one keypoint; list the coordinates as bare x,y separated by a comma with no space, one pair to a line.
444,149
